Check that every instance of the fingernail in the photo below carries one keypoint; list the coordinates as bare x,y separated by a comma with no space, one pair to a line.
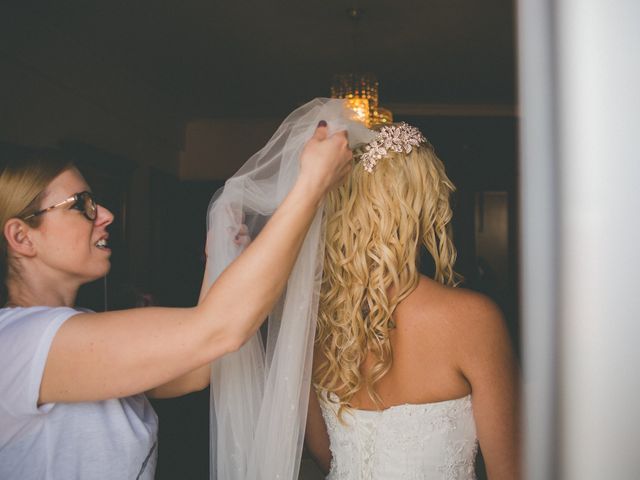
322,123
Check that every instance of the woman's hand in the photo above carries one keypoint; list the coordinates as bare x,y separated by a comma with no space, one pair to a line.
325,160
239,229
242,238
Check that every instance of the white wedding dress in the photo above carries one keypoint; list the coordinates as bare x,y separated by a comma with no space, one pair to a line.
432,441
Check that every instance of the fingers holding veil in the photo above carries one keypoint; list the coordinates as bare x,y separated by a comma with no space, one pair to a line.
327,145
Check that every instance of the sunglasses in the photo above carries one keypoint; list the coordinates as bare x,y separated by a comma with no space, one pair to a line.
82,201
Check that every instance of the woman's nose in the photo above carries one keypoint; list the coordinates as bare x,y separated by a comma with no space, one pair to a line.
104,217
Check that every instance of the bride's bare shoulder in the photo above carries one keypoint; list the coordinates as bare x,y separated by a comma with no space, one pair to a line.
459,310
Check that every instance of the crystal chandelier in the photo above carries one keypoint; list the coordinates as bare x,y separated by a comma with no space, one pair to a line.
360,89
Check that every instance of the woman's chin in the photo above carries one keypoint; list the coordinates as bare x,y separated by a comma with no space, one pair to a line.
99,272
107,269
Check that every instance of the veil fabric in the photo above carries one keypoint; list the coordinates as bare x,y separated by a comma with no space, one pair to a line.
259,394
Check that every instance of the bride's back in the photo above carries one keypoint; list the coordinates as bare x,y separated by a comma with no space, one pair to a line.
424,425
429,335
399,357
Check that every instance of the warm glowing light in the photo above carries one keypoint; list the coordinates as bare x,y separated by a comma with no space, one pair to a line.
361,92
381,116
361,108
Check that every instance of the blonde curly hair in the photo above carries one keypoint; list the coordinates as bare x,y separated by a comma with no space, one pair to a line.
375,224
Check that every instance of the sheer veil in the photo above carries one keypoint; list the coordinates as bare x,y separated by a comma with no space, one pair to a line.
259,394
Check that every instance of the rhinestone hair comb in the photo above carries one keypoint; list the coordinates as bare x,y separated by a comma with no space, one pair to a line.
397,138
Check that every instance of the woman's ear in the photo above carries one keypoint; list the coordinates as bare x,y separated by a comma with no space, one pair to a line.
17,233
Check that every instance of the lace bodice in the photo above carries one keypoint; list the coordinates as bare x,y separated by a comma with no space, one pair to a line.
432,441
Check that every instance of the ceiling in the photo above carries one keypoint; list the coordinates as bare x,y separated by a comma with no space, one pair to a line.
215,58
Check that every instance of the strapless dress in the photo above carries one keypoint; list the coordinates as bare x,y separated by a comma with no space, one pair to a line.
432,441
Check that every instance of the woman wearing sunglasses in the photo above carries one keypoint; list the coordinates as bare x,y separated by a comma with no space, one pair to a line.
72,382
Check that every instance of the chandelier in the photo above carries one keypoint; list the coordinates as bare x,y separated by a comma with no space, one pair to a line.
361,92
360,89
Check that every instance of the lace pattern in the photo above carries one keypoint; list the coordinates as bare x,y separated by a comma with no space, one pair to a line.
435,441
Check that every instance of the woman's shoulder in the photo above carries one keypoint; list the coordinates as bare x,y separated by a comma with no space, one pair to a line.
455,301
29,318
35,311
461,311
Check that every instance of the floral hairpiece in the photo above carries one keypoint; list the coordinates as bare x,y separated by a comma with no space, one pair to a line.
399,138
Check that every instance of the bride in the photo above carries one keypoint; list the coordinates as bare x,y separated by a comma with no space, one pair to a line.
408,374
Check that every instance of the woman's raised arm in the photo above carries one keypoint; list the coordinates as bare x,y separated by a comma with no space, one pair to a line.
115,354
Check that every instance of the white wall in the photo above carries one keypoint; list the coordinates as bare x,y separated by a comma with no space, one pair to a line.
580,72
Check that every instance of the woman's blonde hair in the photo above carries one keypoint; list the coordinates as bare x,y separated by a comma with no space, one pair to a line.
24,178
376,223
